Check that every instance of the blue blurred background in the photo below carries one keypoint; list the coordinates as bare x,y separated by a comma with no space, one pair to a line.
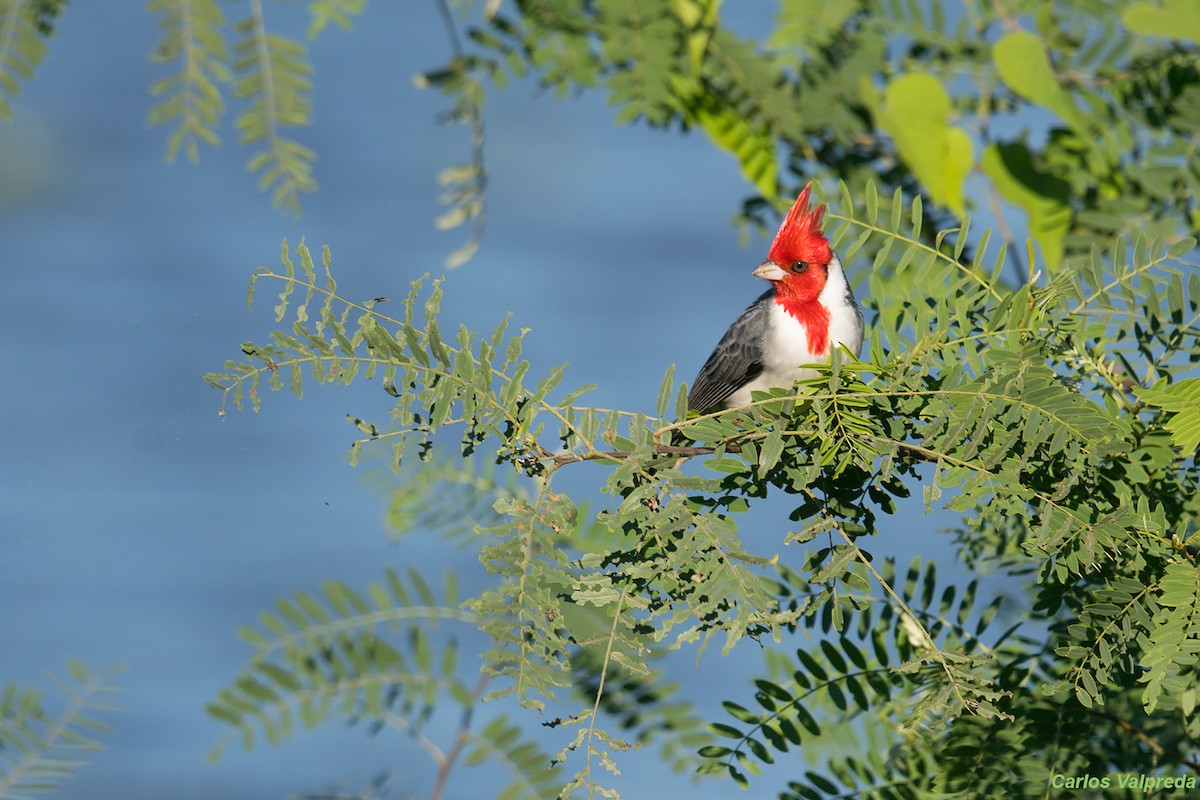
141,529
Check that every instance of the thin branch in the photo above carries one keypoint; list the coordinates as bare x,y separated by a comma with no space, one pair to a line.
929,643
1007,235
620,455
883,671
461,740
315,359
1157,747
1006,18
916,451
424,742
612,636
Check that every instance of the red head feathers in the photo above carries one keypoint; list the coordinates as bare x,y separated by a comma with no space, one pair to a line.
799,237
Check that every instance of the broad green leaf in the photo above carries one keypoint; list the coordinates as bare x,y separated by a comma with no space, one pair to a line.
1174,19
771,450
1024,65
915,111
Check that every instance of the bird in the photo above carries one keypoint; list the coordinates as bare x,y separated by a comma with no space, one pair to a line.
808,312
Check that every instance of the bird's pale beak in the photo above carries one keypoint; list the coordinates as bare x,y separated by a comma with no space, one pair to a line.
769,270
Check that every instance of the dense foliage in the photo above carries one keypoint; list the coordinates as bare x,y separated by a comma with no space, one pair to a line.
1040,392
1012,403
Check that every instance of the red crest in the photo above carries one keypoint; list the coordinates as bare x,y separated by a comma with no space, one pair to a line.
799,237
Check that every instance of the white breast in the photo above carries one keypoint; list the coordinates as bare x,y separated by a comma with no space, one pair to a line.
785,343
845,317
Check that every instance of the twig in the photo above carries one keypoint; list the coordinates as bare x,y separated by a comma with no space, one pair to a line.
451,28
915,451
1157,747
1007,235
621,455
612,636
929,643
1010,24
461,740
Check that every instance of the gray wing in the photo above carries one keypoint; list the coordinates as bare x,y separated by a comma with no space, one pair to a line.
736,361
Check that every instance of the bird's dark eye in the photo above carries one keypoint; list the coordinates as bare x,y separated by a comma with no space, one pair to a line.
799,267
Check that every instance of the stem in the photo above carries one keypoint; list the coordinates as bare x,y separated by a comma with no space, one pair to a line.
1006,234
1157,747
451,28
929,643
461,739
612,636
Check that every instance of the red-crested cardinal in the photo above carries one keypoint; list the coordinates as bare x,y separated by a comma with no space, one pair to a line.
808,311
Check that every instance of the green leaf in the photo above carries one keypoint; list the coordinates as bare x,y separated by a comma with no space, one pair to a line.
323,12
740,712
191,104
714,751
41,746
1023,64
770,450
643,39
681,404
1182,400
916,113
774,690
810,24
728,731
664,391
22,48
273,77
760,750
1174,641
1182,247
1173,19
